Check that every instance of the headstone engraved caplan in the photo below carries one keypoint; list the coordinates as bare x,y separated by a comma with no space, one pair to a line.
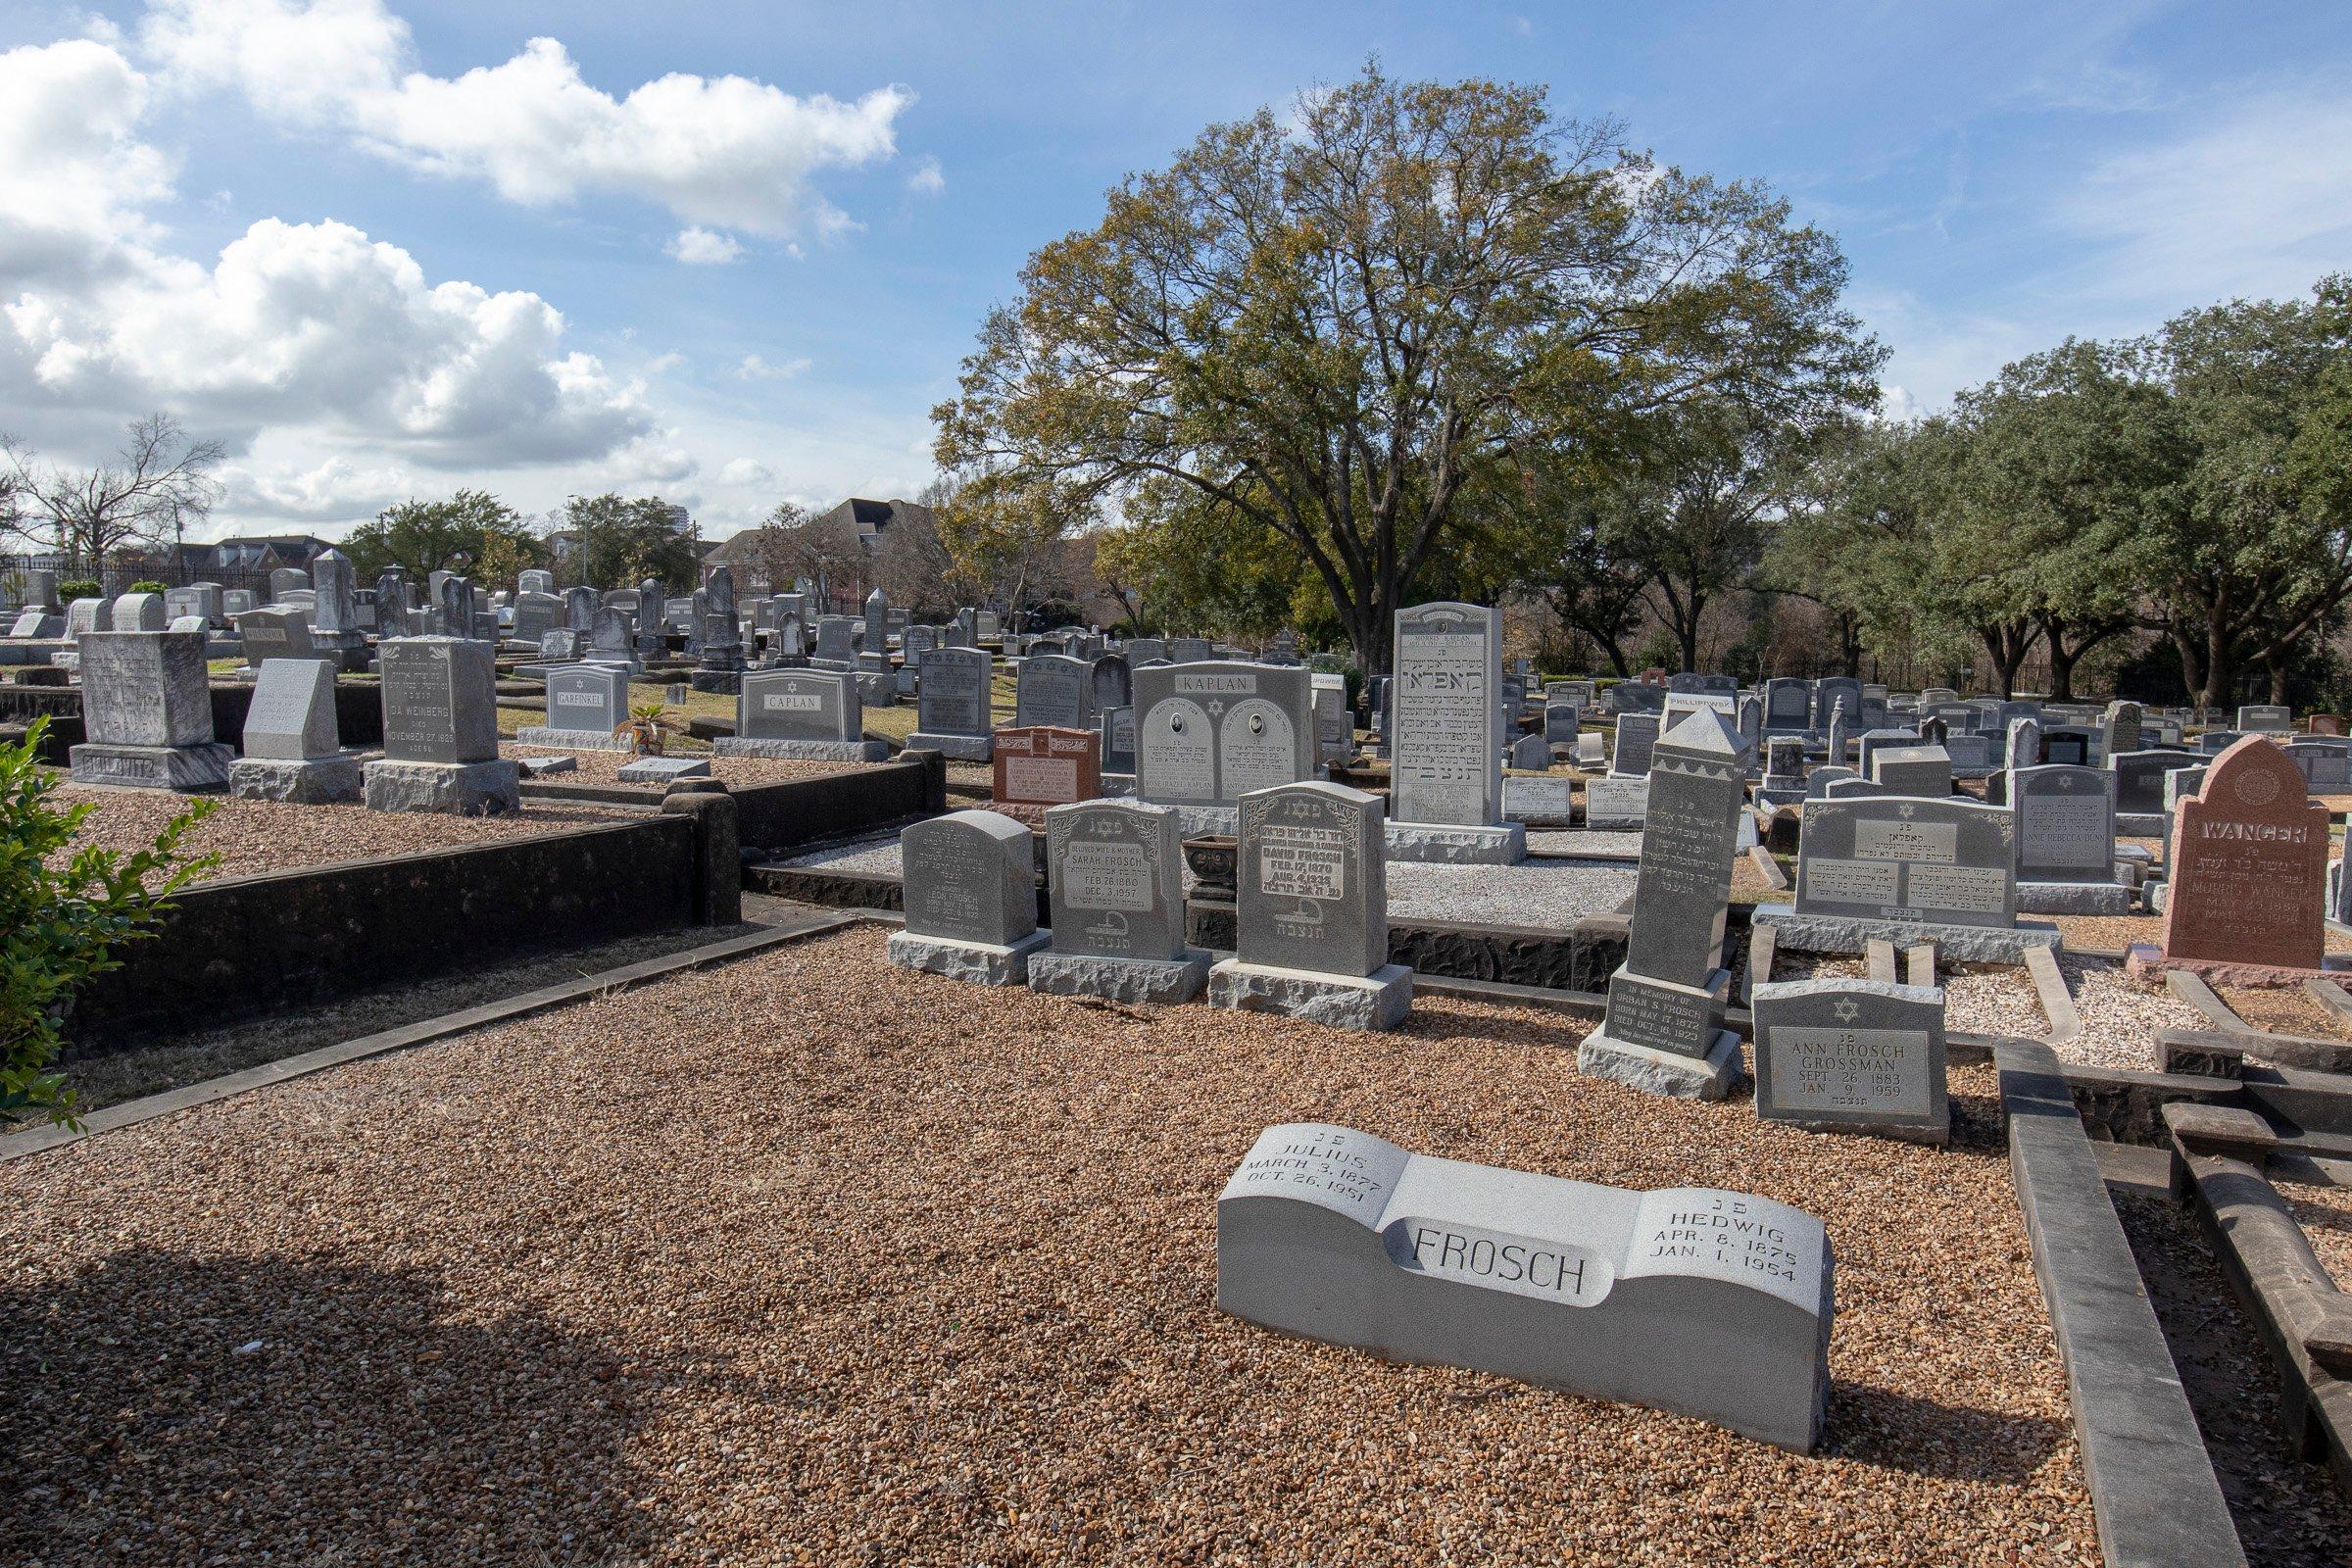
1663,1031
807,714
1117,903
1852,1054
1447,712
1312,913
1704,1302
968,881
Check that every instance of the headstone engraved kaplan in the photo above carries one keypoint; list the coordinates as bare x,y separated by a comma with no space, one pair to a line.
586,704
954,715
1207,733
1863,1055
1048,765
1117,898
1909,871
440,728
1447,710
1664,1027
968,881
1704,1303
292,747
2249,865
804,715
147,712
1313,912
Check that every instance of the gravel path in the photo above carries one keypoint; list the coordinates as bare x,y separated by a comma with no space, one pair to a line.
2326,1215
256,836
2120,1017
2283,1010
808,1259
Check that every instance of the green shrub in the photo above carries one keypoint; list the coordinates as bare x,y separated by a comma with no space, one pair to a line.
60,924
148,585
77,588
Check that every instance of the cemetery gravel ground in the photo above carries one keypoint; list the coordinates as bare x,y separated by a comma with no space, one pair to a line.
809,1259
2119,1017
2326,1215
252,837
604,767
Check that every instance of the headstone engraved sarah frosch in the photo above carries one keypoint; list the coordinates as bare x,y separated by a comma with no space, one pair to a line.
1704,1303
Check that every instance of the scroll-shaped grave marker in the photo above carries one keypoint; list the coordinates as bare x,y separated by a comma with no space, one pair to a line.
292,747
951,703
969,883
1690,1299
1850,1054
803,714
1118,900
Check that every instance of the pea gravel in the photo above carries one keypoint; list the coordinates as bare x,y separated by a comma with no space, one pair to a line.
2119,1014
812,1260
252,837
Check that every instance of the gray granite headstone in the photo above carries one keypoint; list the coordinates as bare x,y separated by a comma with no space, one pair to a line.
1925,770
145,688
1313,880
1704,1303
969,876
1563,721
799,705
1210,732
1053,689
1637,733
287,580
1787,707
579,608
1118,740
836,641
1904,859
391,605
2140,776
139,613
2263,719
1866,1055
1116,874
536,614
1446,701
440,699
292,717
588,699
2065,823
265,634
952,697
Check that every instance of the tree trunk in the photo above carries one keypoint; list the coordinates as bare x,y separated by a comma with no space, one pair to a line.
2062,670
1850,644
2221,667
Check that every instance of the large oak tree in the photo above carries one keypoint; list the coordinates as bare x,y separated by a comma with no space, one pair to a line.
1334,327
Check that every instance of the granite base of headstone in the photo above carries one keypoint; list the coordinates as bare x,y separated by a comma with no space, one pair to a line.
1458,843
1852,1056
185,768
1379,1000
456,789
332,780
958,748
1647,1040
1707,1304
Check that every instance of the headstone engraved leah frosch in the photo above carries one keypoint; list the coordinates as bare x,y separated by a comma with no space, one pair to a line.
1709,1303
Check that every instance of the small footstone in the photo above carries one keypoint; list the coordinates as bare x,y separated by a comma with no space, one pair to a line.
460,789
662,769
803,751
1075,974
541,767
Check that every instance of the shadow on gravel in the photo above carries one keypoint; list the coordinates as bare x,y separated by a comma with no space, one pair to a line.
159,1409
1928,1437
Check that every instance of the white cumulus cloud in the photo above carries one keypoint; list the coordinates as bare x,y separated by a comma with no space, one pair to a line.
719,152
699,247
76,173
336,490
754,368
747,472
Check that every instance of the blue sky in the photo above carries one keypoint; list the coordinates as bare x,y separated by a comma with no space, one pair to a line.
304,227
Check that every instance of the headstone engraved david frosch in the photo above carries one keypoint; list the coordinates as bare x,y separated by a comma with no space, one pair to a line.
1313,912
1707,1304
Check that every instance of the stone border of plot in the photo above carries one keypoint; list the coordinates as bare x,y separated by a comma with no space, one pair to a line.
2154,1494
2291,1051
2304,1319
132,1112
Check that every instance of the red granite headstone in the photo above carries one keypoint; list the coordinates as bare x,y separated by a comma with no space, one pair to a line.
2326,723
1045,766
2249,870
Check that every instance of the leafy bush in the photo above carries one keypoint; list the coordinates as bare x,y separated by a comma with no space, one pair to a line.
60,924
148,585
77,588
